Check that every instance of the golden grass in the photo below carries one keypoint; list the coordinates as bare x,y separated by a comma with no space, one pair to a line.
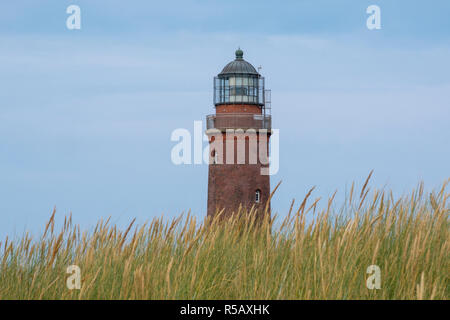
312,254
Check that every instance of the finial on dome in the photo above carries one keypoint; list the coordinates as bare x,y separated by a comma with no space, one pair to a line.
239,54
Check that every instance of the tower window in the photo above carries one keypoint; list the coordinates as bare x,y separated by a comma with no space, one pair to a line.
258,196
215,157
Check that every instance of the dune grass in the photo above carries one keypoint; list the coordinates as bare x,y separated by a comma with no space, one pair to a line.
311,254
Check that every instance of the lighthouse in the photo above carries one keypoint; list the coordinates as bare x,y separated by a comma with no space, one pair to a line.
238,134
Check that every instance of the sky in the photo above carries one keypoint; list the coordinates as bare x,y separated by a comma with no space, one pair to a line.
86,115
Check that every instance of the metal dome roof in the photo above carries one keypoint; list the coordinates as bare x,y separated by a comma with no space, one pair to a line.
239,65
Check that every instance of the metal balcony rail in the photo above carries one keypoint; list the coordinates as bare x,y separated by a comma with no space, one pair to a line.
238,121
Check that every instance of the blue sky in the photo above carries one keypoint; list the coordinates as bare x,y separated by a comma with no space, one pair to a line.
86,115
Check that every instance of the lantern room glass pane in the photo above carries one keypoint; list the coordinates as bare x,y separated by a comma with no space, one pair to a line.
239,89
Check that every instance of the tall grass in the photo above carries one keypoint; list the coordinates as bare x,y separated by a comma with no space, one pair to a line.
311,254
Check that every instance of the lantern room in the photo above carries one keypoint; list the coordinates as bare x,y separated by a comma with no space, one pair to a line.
239,83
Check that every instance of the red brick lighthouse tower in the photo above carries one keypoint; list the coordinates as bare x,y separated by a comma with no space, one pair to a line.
239,133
